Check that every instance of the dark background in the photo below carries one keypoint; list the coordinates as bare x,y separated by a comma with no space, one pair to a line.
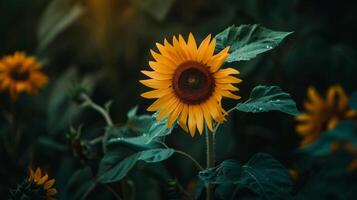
108,44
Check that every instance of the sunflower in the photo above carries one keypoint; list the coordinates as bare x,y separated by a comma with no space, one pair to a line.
20,73
323,114
40,180
189,84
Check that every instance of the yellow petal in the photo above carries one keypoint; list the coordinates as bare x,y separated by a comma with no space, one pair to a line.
174,115
191,121
159,103
49,184
209,52
217,96
167,51
332,122
314,96
183,118
303,129
51,192
212,107
167,108
192,46
161,68
179,50
217,60
207,116
227,86
228,79
37,174
199,118
174,53
157,76
43,179
156,84
309,106
164,60
303,117
203,48
225,72
157,93
351,113
38,79
228,94
184,48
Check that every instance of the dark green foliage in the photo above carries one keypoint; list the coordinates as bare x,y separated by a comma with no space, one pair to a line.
331,181
58,16
28,190
99,47
268,98
247,41
115,164
353,101
125,152
227,171
81,184
262,174
344,133
266,176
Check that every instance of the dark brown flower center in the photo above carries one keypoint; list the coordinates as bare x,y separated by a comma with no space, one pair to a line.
193,83
19,75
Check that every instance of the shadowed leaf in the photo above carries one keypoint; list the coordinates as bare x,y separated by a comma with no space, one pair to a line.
115,166
268,98
247,41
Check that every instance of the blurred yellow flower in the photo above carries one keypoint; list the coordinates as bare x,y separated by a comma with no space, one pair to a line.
322,114
189,84
20,73
43,181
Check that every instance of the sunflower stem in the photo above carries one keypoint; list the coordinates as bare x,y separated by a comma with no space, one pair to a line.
210,161
88,102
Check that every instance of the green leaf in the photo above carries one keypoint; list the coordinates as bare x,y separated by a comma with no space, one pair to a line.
58,102
345,131
268,98
138,124
158,129
132,112
225,191
247,41
113,168
151,128
58,16
227,171
266,176
155,155
80,184
262,174
353,101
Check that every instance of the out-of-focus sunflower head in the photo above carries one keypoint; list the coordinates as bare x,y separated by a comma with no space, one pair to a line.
189,84
36,186
322,114
20,73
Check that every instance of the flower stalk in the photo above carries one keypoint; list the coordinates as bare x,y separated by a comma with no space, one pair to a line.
210,156
88,102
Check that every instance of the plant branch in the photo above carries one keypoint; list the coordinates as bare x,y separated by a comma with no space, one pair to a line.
191,158
88,102
210,160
